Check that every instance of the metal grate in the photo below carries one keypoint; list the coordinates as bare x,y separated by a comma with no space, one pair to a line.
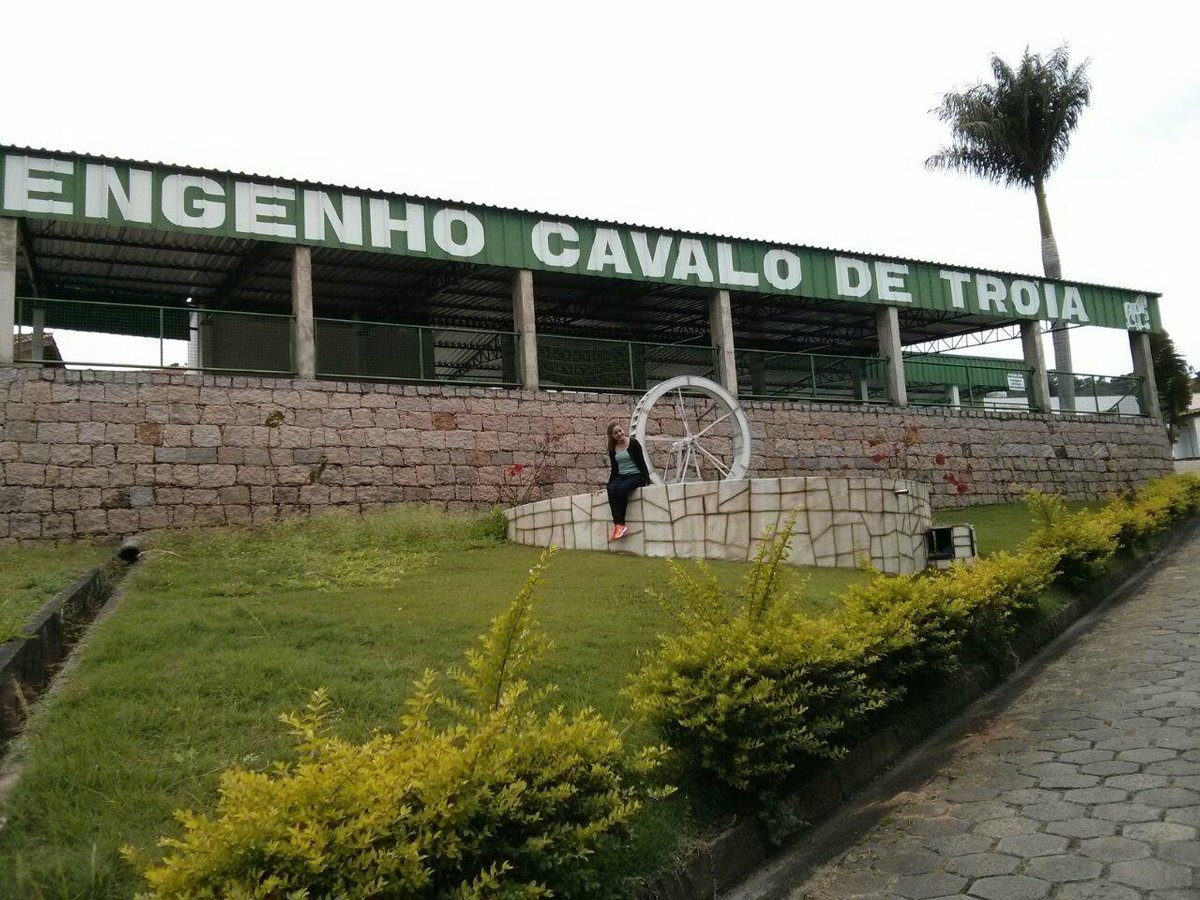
389,352
765,375
98,334
609,365
1117,395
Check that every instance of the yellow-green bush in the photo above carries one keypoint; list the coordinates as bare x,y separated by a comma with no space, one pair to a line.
748,688
1081,544
486,796
1155,506
1085,542
924,624
748,691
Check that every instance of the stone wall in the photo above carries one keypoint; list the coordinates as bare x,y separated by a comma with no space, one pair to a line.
113,453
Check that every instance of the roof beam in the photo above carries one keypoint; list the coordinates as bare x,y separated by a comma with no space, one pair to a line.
968,339
25,242
135,245
220,295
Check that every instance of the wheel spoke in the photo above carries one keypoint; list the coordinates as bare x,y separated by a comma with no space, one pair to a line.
717,422
716,462
696,409
682,412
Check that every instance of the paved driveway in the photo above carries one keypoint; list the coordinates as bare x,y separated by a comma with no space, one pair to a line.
1086,786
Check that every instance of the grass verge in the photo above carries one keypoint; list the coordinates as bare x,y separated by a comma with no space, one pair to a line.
34,574
220,632
1001,526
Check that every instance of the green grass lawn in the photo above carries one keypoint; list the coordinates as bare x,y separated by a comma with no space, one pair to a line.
1000,526
217,634
32,575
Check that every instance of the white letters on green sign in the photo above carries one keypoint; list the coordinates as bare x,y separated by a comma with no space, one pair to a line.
382,225
148,196
103,183
34,185
193,201
346,221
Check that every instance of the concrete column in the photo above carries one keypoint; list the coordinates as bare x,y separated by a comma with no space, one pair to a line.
195,351
953,396
1143,367
525,321
37,350
1038,389
304,353
720,326
887,324
864,388
8,288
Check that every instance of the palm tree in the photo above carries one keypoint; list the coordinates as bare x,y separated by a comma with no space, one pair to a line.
1174,379
1015,132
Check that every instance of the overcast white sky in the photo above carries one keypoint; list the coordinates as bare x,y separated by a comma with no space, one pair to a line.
787,122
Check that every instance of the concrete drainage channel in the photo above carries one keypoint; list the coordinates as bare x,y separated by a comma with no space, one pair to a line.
28,663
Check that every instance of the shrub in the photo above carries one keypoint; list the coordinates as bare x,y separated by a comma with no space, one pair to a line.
1155,506
1084,542
748,690
1081,544
923,625
484,795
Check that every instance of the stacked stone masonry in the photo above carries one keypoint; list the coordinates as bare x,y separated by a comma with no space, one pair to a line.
834,522
112,453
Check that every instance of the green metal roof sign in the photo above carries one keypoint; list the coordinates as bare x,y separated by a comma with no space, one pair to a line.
37,184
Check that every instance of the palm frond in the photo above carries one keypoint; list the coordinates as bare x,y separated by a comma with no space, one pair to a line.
1016,130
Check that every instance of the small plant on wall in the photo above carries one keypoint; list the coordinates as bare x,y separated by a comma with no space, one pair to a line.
523,482
893,455
897,455
272,423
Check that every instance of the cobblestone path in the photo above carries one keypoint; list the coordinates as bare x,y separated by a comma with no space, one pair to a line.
1086,786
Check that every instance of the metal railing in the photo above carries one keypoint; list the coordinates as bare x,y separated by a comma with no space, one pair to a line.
611,365
384,351
96,334
777,375
1114,395
967,383
121,335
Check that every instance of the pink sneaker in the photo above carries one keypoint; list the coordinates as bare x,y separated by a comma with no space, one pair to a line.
619,532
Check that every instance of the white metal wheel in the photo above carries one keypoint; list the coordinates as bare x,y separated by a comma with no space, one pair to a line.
694,429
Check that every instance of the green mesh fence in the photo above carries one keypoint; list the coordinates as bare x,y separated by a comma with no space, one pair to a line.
1119,395
600,364
971,382
765,374
97,334
390,352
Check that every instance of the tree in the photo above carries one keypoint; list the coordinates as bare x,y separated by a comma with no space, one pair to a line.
1174,380
1015,132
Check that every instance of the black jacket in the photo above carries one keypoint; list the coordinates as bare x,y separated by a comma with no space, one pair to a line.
638,457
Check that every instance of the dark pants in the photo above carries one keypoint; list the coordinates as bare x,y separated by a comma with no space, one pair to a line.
619,491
